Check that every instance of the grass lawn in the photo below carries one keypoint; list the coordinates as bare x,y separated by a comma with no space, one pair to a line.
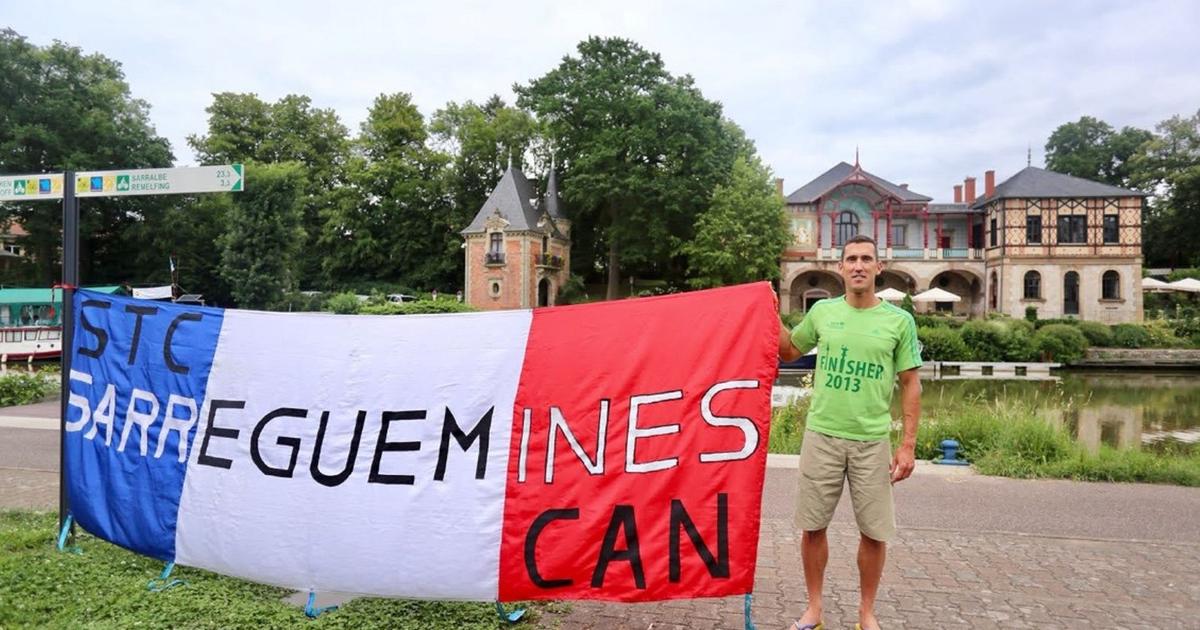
105,587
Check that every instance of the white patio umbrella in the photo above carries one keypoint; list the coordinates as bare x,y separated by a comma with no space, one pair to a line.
1191,285
890,294
936,295
1152,285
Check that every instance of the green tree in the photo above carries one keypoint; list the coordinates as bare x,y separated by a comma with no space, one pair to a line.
641,152
1091,149
481,141
66,110
741,236
243,127
263,238
399,230
1169,165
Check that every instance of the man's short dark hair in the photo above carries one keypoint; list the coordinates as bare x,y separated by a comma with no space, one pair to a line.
860,238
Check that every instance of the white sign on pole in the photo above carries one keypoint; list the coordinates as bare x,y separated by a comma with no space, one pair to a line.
159,181
146,181
31,187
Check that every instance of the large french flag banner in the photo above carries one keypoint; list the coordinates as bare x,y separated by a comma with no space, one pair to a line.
609,451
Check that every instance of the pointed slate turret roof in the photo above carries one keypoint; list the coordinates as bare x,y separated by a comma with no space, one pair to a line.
513,198
1032,181
829,180
551,203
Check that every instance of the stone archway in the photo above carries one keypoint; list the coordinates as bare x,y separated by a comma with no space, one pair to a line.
810,286
966,285
896,279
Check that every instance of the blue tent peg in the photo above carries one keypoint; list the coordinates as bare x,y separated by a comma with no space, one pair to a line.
62,536
311,610
163,581
746,611
509,617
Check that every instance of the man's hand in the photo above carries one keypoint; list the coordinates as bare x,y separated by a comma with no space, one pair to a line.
787,351
903,462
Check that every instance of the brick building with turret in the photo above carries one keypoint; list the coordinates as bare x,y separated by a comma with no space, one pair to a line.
518,247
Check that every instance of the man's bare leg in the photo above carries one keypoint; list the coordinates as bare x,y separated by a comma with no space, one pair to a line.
814,550
871,557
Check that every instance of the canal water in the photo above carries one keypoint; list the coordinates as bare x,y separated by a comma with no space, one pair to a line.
1143,409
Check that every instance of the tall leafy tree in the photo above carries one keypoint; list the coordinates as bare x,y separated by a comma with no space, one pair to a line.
399,228
741,236
481,141
243,127
263,237
62,109
641,152
1169,165
1092,149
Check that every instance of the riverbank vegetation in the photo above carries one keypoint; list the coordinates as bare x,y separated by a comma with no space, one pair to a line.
24,388
1009,438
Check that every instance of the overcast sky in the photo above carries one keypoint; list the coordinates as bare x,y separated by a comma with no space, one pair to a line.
930,91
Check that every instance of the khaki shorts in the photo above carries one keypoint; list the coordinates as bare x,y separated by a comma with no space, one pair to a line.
826,463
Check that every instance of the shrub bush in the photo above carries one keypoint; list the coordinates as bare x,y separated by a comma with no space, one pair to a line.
24,388
1046,322
1161,334
1098,334
985,339
343,304
1129,336
942,344
1018,344
420,307
1061,342
1031,313
938,321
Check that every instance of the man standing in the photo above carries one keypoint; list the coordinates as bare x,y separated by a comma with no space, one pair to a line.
864,345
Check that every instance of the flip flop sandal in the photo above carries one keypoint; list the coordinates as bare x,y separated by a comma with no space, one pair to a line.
808,626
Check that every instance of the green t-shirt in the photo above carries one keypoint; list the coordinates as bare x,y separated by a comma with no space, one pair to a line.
859,353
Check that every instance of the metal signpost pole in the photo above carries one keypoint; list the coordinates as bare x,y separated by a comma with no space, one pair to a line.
70,278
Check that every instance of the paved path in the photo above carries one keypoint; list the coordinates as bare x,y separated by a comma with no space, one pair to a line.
973,551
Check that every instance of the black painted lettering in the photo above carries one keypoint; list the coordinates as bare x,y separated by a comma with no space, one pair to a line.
717,567
140,311
214,431
292,442
100,333
465,440
531,537
167,358
383,446
315,466
622,520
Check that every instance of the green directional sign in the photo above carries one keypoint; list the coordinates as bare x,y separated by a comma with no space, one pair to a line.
122,183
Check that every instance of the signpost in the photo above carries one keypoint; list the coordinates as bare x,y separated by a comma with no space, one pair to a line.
70,187
120,183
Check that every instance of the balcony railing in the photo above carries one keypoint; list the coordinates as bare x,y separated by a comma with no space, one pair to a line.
493,258
548,260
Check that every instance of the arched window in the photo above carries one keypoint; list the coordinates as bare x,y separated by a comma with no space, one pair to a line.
994,292
1071,293
1111,285
1033,285
847,227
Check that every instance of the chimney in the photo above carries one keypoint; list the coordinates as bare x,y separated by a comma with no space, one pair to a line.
958,193
989,183
779,185
969,190
904,186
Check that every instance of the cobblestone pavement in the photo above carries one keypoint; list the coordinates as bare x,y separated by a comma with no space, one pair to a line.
947,579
